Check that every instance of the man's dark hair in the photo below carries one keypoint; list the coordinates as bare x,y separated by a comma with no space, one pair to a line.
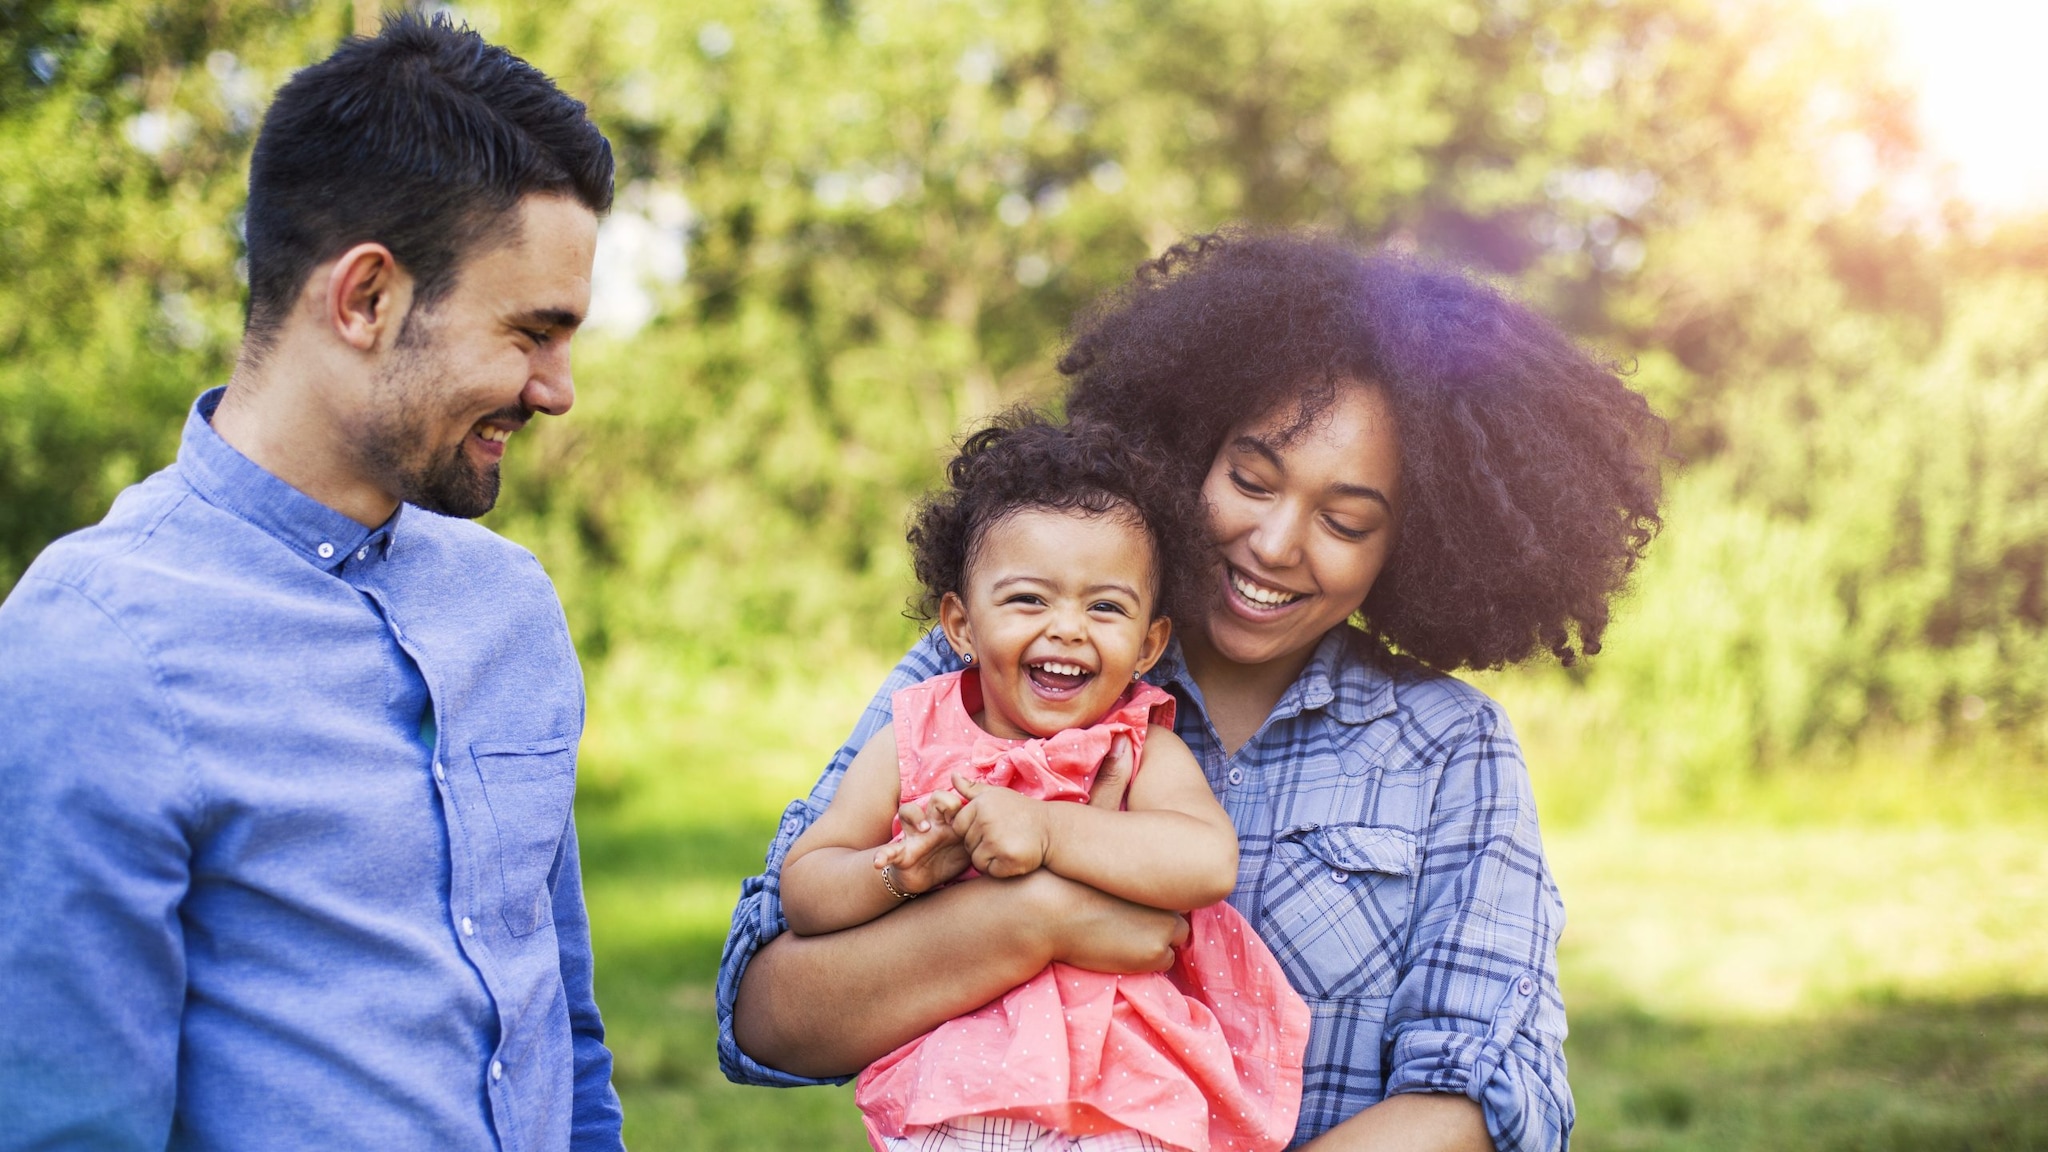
1023,462
1529,470
423,138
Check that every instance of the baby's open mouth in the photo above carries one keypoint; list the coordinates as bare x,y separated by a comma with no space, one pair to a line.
1057,675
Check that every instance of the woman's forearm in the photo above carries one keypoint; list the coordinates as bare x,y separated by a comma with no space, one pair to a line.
830,1005
1410,1122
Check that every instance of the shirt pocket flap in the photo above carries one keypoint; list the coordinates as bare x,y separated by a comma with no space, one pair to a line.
1360,847
529,789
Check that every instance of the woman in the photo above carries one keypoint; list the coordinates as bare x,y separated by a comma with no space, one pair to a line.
1406,475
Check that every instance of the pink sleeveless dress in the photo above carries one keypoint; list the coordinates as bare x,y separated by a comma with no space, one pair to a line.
1205,1057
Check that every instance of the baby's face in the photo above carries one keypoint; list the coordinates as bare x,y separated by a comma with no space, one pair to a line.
1058,615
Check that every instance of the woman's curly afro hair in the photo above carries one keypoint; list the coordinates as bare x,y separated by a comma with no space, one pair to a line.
1529,471
1022,461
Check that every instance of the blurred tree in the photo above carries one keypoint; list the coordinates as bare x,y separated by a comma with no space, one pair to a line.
124,131
847,228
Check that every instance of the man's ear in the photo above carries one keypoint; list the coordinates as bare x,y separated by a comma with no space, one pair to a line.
367,297
953,619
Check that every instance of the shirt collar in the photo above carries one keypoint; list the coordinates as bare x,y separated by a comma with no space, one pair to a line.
1353,690
238,485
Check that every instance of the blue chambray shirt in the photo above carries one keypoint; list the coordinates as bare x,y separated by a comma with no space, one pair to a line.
1389,857
286,857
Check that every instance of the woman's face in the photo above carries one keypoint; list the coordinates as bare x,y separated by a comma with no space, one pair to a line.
1303,525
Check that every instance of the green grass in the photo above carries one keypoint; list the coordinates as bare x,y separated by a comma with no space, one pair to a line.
1825,978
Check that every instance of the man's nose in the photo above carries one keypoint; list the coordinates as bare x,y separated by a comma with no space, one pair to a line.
551,388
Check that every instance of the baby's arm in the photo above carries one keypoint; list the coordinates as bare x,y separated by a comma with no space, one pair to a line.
1175,847
832,878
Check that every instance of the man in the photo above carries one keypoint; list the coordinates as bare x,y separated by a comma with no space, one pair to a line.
286,856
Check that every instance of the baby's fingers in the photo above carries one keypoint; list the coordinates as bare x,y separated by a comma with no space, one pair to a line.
945,806
912,816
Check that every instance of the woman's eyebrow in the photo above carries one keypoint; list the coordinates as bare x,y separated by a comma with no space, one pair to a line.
1250,443
1363,492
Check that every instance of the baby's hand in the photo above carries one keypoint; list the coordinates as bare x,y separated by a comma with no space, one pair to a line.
1006,832
930,852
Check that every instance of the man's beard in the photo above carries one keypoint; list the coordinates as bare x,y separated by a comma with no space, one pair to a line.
396,442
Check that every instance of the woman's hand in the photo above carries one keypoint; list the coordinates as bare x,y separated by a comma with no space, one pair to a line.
1113,779
1006,832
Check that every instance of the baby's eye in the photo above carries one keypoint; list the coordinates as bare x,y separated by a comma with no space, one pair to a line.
1108,606
1024,598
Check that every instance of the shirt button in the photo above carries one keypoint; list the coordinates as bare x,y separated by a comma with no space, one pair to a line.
1525,986
1237,775
325,550
362,553
1340,876
497,1070
440,773
468,926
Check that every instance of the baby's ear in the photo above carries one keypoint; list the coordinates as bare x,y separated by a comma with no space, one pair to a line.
1156,635
953,621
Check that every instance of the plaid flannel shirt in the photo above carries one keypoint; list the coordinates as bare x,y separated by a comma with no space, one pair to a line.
1389,857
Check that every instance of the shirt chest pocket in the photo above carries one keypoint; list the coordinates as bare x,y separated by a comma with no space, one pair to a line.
529,791
1338,898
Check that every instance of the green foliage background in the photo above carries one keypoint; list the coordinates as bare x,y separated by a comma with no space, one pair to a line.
893,207
889,209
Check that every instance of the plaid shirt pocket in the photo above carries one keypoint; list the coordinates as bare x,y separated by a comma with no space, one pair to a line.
1337,896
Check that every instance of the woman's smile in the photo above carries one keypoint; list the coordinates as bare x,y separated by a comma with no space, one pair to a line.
1257,599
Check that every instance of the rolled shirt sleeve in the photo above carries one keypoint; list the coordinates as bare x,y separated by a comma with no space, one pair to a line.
1477,1011
96,802
758,917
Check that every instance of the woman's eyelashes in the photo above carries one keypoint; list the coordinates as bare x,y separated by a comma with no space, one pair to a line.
1251,487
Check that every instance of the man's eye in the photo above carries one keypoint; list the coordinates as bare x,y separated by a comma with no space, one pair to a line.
537,335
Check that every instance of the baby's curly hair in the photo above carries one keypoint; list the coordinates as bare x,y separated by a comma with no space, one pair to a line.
1022,461
1530,472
